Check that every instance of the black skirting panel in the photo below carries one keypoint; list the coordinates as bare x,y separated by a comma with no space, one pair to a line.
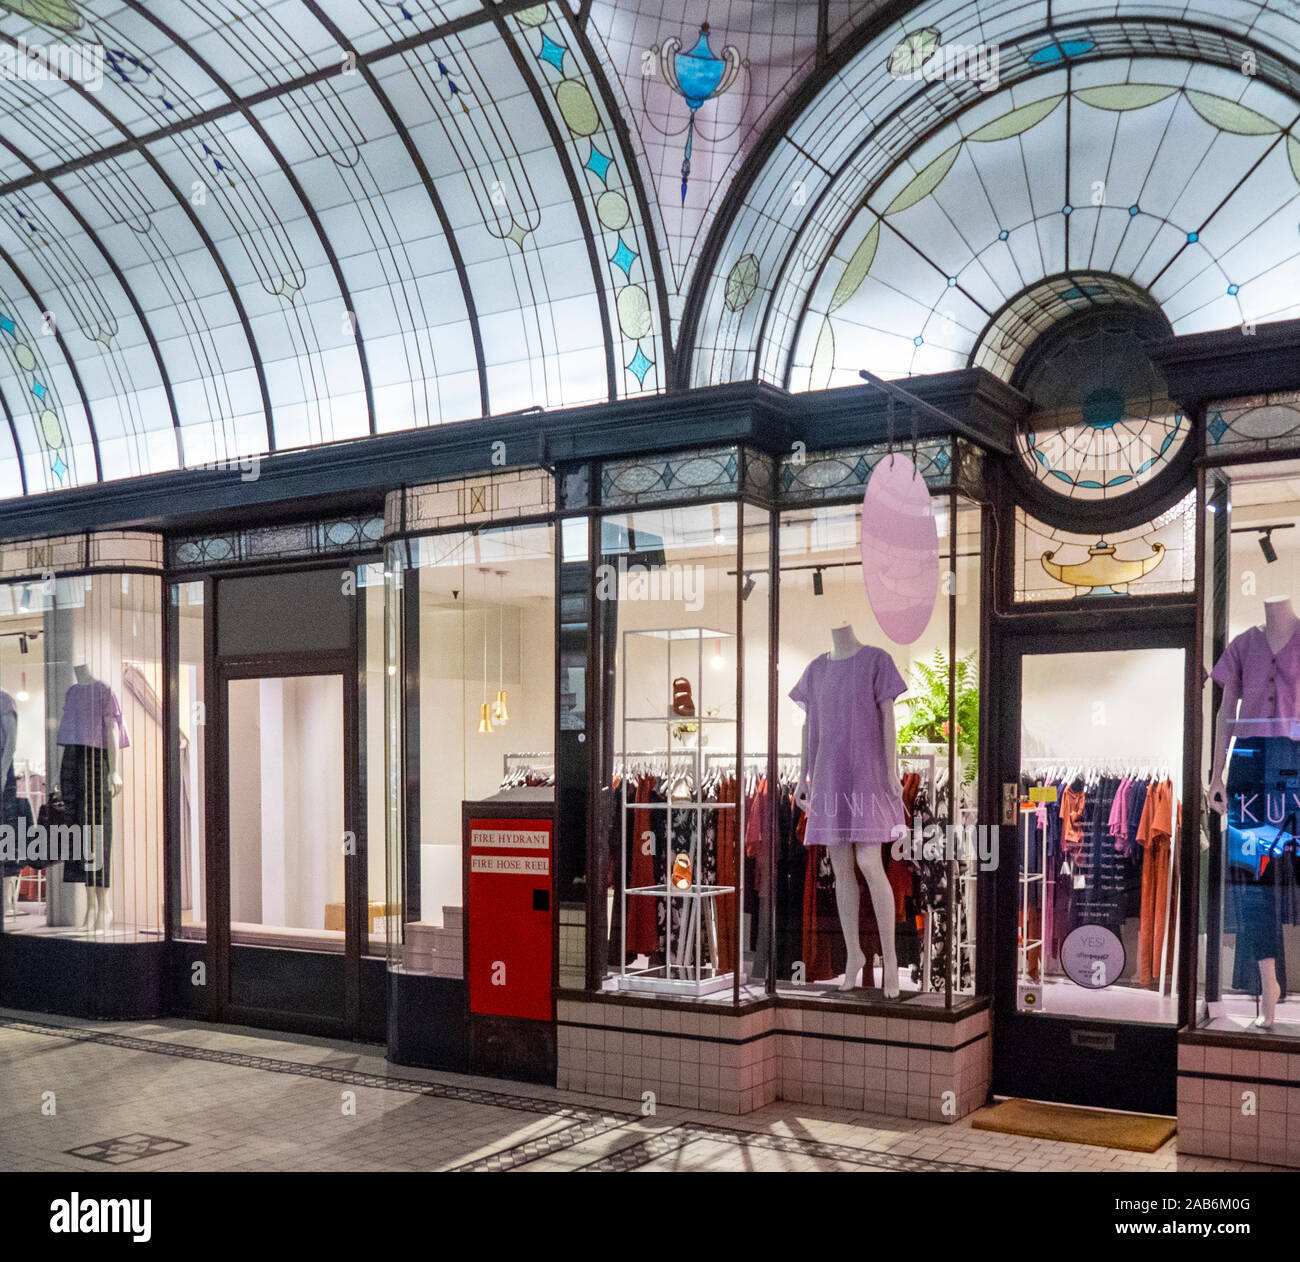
426,1022
297,983
512,1047
113,980
372,1019
1112,1065
185,986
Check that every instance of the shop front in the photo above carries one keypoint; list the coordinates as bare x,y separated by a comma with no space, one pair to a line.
600,686
517,768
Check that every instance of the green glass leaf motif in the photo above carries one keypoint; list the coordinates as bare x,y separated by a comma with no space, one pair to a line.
856,269
926,182
1125,96
1293,153
1229,116
1018,120
57,13
823,360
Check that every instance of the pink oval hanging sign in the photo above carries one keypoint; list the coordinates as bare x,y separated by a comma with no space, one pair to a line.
900,549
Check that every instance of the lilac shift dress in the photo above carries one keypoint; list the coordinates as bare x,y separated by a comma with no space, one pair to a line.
854,796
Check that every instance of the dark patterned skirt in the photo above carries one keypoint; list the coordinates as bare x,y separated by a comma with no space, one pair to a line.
85,785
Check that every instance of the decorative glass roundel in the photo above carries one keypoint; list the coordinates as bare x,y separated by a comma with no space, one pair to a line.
1101,422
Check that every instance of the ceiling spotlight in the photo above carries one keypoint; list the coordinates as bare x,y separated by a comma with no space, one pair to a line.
817,582
22,644
748,587
1266,545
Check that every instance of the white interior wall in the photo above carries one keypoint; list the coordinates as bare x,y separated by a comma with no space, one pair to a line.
1122,704
459,764
245,787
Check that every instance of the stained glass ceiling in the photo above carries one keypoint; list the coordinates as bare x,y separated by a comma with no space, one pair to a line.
251,227
248,227
911,222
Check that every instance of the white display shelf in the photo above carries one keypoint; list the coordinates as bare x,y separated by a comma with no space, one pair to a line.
685,970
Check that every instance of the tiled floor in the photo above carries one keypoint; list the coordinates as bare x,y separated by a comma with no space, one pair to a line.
171,1095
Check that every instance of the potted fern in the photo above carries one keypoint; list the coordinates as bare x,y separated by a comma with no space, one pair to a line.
926,708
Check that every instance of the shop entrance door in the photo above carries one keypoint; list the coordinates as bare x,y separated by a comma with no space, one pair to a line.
1089,929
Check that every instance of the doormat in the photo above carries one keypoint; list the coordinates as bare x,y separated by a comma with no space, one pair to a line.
1132,1131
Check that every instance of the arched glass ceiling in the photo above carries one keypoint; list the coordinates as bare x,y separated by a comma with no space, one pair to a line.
276,225
898,216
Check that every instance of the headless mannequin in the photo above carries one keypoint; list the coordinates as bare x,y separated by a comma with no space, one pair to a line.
1280,625
99,906
869,858
11,883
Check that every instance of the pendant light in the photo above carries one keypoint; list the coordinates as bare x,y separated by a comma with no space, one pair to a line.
499,711
485,717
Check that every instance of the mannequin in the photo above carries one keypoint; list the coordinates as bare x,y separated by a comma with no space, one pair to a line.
8,743
882,797
90,732
1281,625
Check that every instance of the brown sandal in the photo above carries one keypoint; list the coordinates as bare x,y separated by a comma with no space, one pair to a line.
683,703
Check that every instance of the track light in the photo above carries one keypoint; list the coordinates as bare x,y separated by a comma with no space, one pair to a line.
817,582
1266,545
748,587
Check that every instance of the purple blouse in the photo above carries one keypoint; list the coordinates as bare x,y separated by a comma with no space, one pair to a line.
853,795
1269,684
90,712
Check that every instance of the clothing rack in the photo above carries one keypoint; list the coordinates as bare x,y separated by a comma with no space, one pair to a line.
507,759
1141,767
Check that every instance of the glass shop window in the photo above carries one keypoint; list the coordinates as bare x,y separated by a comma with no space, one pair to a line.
190,916
1101,756
81,740
1249,941
470,666
682,602
877,753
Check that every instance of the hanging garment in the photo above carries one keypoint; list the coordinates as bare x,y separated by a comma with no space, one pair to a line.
1155,831
1073,800
727,872
646,833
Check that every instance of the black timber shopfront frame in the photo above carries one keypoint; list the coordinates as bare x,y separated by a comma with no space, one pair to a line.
295,979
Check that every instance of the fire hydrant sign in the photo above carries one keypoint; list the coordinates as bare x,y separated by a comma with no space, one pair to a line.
508,959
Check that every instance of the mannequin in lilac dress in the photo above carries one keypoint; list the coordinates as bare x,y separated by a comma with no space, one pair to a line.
849,786
90,731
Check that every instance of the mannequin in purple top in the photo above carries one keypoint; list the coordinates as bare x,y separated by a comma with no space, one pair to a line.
869,858
99,906
1280,627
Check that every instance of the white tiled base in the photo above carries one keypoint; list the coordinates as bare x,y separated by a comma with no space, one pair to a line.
1239,1104
735,1062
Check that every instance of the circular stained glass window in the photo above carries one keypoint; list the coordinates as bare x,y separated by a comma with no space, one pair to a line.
1101,423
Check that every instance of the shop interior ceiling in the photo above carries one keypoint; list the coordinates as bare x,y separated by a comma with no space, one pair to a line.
265,228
